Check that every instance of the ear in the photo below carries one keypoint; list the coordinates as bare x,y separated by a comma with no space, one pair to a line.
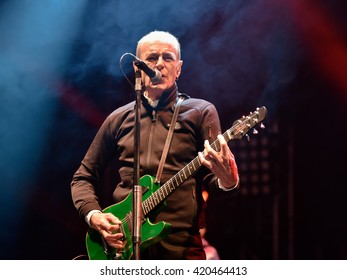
179,68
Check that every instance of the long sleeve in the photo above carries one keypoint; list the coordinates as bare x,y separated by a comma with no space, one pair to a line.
87,177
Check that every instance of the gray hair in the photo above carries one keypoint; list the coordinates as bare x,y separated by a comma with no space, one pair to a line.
161,36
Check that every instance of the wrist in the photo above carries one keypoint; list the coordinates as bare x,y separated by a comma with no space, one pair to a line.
225,188
89,216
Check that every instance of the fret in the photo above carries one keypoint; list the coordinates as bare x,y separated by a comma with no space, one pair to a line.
215,145
184,173
161,196
153,203
188,171
165,190
191,168
227,135
167,187
171,185
179,174
155,197
145,208
150,202
175,177
168,191
198,161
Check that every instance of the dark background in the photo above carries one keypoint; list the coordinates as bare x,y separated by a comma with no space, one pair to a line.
60,77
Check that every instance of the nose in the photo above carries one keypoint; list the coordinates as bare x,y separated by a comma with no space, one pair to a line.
160,63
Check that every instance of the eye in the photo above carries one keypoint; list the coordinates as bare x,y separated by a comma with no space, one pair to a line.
152,58
168,58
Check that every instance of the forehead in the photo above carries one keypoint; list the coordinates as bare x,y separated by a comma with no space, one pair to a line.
148,47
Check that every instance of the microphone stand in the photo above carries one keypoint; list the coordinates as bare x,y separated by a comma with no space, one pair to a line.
137,190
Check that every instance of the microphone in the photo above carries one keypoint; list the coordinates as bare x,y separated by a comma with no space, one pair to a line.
153,74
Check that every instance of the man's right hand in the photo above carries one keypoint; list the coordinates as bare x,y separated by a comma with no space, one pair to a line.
108,226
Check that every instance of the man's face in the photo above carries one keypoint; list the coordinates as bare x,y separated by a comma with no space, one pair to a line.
163,57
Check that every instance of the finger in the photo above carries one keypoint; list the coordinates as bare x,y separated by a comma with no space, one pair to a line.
110,223
225,151
203,160
112,219
111,229
116,244
226,154
115,240
112,237
210,154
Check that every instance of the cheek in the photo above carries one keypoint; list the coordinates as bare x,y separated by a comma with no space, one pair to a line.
178,72
174,73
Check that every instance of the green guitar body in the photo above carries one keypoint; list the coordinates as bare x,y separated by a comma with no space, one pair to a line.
150,233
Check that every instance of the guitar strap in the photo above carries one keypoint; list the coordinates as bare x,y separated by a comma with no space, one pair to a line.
168,140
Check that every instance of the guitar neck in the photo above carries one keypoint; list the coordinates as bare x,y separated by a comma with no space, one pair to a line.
174,182
237,131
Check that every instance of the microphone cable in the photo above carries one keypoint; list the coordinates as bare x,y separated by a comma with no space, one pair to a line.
121,67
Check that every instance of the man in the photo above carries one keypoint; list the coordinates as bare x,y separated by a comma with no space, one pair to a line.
197,125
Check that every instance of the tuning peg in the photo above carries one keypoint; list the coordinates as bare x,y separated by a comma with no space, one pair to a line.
255,131
262,126
247,137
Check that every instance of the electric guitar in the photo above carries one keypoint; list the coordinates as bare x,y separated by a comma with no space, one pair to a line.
153,195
